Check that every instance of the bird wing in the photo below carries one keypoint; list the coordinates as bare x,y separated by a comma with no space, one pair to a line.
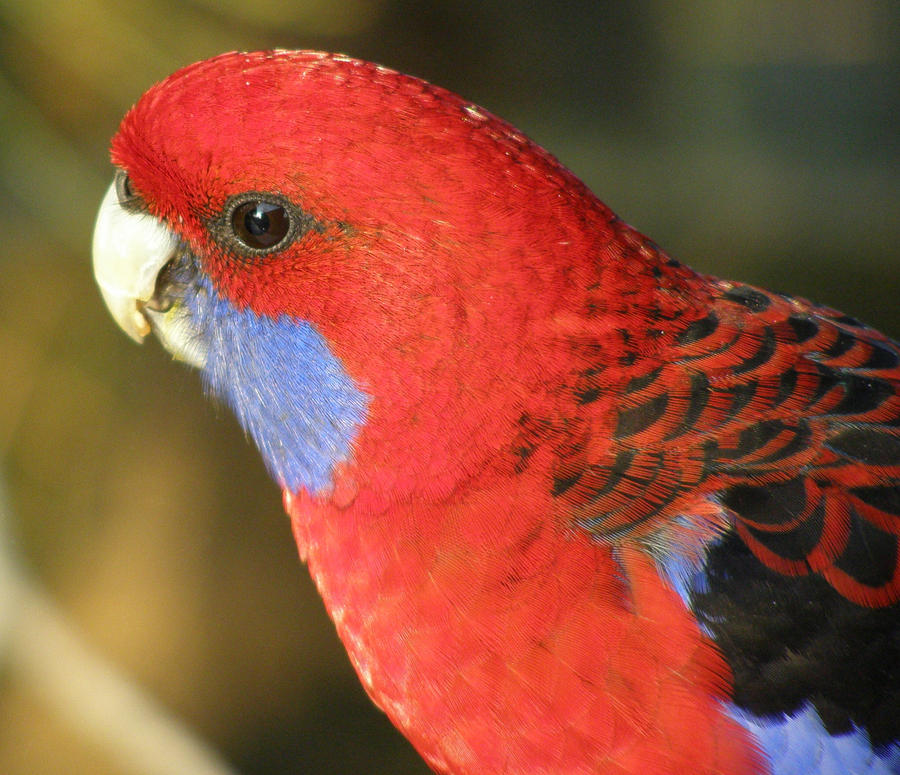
768,413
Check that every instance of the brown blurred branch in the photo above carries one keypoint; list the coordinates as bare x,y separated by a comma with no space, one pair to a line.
41,650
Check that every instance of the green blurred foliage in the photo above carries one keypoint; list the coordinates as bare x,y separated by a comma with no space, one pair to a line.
755,140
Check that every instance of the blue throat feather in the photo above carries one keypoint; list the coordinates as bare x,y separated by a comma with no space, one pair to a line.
288,390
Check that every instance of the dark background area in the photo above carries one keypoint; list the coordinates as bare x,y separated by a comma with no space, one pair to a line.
753,140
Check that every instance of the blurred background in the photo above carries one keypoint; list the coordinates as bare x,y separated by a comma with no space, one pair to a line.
754,140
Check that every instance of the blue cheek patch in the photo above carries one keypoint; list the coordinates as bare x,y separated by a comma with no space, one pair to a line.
287,388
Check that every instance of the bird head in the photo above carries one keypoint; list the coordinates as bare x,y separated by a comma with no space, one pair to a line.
339,248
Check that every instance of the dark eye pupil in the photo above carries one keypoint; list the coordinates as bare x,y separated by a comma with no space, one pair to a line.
259,224
257,221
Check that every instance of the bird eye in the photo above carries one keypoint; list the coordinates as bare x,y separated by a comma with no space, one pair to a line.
253,224
260,225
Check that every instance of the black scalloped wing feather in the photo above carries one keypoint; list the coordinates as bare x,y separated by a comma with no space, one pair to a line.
769,413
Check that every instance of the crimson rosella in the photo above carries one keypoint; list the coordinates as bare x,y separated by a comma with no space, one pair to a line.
573,507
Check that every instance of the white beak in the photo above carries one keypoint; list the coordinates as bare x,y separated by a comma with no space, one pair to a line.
130,249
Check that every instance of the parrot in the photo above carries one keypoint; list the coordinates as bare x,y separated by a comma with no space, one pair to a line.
572,506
